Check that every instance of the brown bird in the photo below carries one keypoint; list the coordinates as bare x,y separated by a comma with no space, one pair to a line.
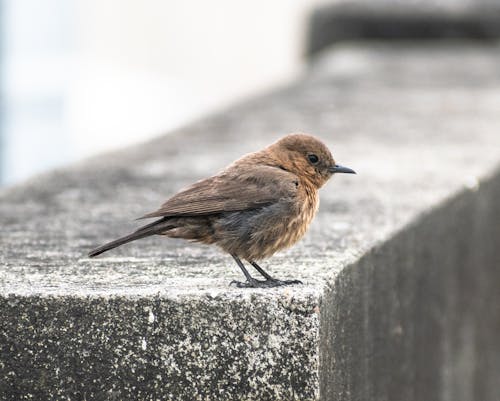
258,205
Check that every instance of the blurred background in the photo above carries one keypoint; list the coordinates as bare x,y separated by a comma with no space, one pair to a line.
84,76
78,77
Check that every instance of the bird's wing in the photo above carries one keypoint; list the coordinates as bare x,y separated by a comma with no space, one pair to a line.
228,191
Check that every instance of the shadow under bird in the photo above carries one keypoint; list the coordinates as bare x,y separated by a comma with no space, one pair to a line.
258,205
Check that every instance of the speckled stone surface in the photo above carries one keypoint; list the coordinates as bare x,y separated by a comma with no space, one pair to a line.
157,319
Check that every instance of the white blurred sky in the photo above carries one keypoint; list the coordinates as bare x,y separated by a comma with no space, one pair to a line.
84,76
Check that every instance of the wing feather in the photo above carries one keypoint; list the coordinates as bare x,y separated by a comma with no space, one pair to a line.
228,191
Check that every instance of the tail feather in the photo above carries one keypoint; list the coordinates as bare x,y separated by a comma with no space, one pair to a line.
153,228
117,242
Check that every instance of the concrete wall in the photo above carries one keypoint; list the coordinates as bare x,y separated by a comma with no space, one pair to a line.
418,318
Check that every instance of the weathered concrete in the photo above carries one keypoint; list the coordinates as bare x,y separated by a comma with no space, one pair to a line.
400,267
418,317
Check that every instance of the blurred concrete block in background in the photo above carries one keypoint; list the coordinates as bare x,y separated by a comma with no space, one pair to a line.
402,20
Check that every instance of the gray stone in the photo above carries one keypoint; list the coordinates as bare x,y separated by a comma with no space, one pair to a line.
401,265
343,21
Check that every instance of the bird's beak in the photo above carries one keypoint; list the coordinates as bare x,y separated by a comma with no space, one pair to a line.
341,169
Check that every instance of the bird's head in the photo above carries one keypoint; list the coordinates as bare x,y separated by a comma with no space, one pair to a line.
307,157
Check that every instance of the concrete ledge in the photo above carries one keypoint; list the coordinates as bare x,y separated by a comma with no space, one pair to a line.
400,266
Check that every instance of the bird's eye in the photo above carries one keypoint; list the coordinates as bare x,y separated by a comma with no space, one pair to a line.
313,159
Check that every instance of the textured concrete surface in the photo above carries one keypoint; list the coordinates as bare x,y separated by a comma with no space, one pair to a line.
399,267
418,317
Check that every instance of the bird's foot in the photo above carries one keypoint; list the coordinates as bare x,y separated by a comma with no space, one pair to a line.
269,283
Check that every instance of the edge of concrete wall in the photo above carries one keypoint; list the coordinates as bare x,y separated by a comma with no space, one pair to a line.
414,316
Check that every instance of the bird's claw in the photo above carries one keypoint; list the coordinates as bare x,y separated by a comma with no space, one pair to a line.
288,282
269,283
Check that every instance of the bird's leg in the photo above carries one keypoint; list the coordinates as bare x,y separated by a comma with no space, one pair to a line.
271,281
251,282
261,271
254,283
